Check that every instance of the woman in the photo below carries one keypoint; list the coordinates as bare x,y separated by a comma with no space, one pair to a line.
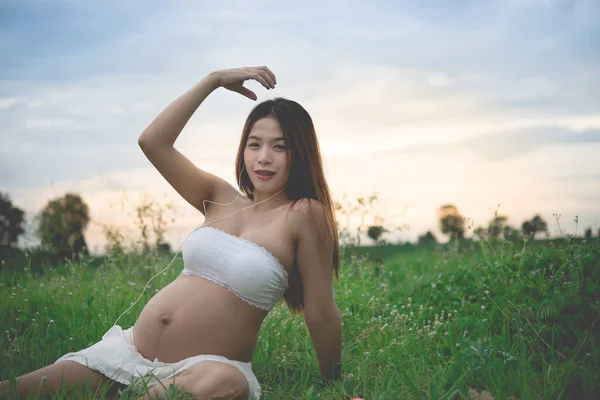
278,241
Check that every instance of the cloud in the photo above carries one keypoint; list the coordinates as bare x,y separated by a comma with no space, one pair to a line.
439,79
51,123
392,109
517,143
509,144
590,178
8,102
384,96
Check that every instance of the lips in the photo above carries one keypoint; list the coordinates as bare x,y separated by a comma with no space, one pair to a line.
264,177
265,172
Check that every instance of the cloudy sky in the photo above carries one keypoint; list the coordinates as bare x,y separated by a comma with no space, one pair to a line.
488,105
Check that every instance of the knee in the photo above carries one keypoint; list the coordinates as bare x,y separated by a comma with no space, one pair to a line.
219,386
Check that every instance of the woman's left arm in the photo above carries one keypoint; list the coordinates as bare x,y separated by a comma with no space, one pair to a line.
315,264
326,334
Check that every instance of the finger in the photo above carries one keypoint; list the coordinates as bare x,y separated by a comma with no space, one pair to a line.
270,73
247,92
258,77
267,78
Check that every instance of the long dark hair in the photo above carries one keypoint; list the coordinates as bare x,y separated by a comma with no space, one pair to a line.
306,179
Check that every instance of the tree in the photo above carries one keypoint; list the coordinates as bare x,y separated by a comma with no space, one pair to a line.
451,222
511,234
11,221
481,232
375,232
536,224
495,225
498,228
588,233
164,247
150,209
61,225
427,238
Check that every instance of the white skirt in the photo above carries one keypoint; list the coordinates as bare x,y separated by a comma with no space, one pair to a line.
116,357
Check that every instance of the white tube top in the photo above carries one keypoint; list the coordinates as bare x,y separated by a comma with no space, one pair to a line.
248,270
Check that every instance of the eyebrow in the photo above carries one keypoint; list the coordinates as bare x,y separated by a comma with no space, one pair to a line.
273,140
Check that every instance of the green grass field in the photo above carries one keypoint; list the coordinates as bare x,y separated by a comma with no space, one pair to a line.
483,320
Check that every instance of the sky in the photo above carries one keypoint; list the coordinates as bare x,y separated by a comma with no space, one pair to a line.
492,106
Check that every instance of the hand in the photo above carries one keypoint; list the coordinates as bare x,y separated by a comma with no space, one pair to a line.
233,79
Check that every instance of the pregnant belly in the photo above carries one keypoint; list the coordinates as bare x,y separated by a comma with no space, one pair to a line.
193,316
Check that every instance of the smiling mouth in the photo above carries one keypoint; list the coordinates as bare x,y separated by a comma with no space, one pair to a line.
265,177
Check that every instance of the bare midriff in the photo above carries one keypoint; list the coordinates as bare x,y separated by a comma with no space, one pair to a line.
193,316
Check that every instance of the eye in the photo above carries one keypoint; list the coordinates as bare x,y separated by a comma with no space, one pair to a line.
280,147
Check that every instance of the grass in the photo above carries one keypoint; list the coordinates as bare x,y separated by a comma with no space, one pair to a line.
439,322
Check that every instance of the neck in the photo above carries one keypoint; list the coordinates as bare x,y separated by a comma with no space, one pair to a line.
269,201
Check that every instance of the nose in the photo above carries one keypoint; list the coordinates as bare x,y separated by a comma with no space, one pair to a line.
264,156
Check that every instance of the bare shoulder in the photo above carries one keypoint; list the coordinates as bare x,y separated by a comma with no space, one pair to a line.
307,209
305,205
309,216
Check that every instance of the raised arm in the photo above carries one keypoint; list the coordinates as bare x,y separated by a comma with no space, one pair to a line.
158,139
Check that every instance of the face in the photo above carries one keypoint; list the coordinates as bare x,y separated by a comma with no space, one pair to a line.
266,149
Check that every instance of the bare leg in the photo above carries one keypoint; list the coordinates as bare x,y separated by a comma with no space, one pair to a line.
75,375
207,380
157,391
